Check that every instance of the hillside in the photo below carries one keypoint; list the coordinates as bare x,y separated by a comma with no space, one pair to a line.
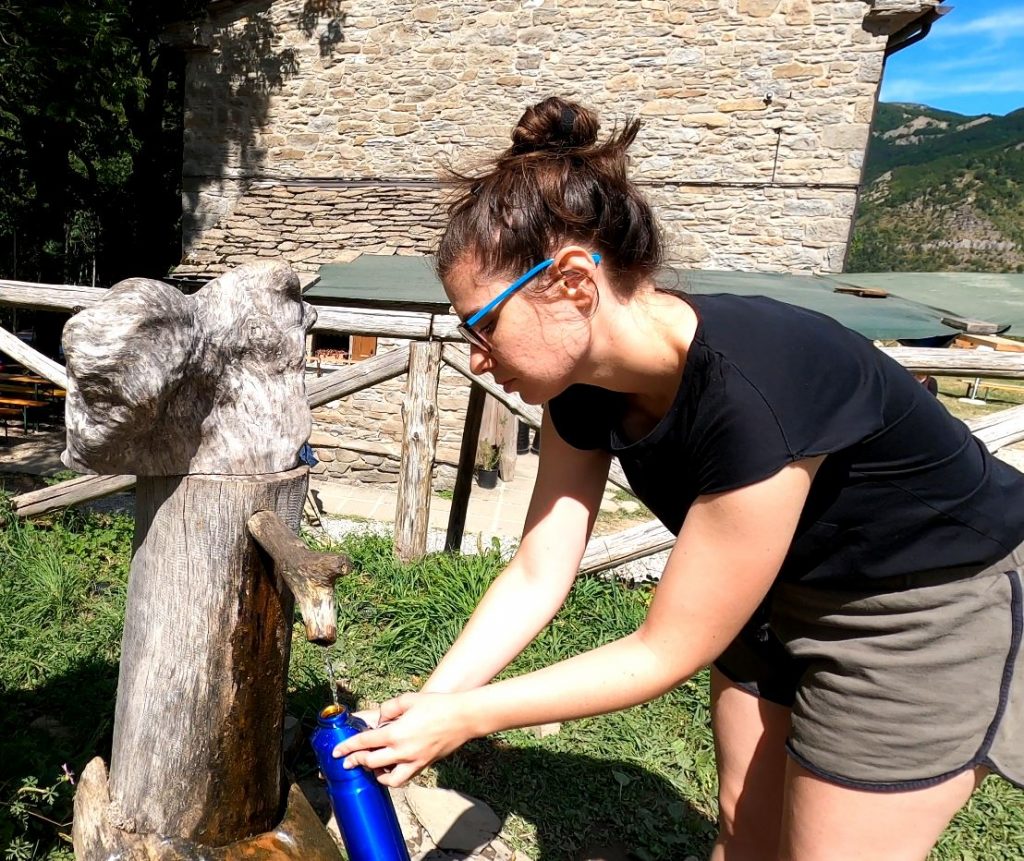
943,191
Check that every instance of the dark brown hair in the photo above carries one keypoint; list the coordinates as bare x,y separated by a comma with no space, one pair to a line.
555,184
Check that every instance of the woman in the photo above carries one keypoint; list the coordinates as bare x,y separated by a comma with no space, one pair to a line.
848,555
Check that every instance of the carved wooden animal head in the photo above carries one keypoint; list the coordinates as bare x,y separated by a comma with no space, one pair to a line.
160,383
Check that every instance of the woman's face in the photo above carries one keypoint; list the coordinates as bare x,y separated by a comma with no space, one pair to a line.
538,335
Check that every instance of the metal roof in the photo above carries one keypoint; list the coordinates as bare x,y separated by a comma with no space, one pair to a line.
987,295
410,283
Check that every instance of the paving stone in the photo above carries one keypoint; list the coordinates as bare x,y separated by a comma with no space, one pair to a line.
545,729
453,820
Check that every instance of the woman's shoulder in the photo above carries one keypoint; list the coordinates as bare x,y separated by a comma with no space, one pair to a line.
767,338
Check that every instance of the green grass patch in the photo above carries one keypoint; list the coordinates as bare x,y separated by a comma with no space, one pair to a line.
643,777
62,593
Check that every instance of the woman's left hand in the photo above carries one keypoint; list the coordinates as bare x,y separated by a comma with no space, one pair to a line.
415,730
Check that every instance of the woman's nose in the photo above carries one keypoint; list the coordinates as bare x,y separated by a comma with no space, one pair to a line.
479,360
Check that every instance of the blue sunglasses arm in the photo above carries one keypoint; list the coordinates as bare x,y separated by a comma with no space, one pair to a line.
515,285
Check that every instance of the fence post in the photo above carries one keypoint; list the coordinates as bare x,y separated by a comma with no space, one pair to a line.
420,418
467,460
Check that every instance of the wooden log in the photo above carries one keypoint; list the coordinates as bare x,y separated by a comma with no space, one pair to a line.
200,706
372,321
68,493
21,352
162,384
299,836
464,475
358,376
420,417
951,363
48,297
999,429
445,327
309,575
609,551
377,449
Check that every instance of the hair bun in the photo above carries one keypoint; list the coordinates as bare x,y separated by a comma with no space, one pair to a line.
554,125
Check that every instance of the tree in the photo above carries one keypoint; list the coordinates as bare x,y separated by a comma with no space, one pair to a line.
90,138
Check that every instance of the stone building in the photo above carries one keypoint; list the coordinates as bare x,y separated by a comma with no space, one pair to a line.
318,129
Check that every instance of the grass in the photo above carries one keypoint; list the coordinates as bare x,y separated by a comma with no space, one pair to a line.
643,777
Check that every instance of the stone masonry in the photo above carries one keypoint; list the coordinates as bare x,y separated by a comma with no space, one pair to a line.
316,129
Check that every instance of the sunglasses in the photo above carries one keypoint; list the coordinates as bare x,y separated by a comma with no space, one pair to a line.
476,338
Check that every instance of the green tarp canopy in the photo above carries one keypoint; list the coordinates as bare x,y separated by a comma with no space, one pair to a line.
991,296
409,283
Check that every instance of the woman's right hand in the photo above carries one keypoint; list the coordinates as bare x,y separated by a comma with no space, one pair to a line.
370,717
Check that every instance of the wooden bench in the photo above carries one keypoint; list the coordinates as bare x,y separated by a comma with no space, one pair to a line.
8,413
1006,387
26,404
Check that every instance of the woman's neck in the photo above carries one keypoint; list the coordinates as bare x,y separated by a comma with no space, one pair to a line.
639,347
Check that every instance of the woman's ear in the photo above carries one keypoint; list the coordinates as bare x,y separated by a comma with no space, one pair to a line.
574,258
575,281
582,291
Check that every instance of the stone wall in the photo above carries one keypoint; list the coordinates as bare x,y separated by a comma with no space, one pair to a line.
316,129
742,101
372,419
312,225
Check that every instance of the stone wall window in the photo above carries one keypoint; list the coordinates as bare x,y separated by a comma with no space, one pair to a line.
331,348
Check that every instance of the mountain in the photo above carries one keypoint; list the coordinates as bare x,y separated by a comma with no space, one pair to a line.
942,191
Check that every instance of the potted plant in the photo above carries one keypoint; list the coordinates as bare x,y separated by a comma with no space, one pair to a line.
487,465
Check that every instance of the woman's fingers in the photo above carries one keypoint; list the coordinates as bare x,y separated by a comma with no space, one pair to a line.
382,757
399,775
395,708
370,717
368,738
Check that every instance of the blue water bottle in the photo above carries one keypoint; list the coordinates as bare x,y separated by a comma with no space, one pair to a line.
362,806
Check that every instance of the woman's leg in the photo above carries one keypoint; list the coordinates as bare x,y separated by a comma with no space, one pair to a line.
750,737
826,822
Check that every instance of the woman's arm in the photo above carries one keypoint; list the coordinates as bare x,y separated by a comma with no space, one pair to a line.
528,593
728,554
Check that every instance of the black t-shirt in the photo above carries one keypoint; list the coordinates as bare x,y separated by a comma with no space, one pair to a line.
905,487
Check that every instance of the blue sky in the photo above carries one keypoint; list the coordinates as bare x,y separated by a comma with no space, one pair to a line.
972,62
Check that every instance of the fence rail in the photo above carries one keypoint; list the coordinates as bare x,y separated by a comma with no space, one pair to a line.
996,431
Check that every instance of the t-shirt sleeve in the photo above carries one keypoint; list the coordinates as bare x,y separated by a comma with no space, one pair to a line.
737,440
583,416
788,384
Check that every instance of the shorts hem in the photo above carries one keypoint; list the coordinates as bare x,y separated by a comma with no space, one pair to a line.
750,687
995,769
881,786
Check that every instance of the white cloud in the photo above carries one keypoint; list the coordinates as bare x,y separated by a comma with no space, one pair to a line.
998,26
921,89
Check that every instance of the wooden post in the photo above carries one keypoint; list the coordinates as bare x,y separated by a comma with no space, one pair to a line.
419,413
498,428
464,476
203,661
202,397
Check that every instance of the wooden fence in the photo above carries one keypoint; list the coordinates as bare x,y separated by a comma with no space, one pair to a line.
433,342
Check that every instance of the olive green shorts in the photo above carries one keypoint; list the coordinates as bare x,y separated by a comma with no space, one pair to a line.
898,688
